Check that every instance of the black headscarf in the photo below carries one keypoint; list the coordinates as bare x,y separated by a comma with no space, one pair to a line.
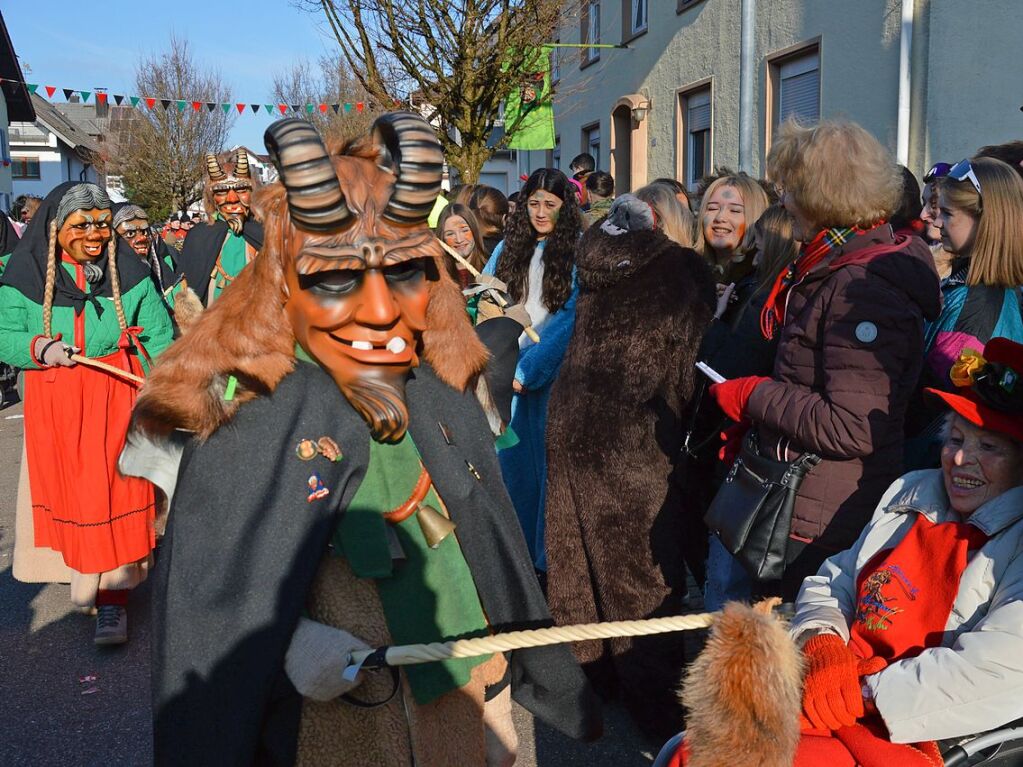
8,235
163,276
26,270
202,246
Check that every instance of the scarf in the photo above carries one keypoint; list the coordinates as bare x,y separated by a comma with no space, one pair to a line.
772,316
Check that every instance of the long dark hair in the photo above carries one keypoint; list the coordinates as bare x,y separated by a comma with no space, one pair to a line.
558,254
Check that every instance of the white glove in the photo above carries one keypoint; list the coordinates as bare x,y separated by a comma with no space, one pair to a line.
316,658
53,353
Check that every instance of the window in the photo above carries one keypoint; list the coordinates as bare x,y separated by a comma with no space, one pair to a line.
591,141
695,111
682,5
555,63
25,167
554,155
590,32
797,87
635,22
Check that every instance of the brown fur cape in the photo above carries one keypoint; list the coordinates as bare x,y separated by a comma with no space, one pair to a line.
615,426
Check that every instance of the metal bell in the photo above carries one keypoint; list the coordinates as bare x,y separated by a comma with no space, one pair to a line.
435,526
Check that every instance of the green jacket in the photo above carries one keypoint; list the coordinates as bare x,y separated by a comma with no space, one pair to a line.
21,320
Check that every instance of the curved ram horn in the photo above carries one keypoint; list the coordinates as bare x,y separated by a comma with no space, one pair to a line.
315,199
213,168
410,150
241,164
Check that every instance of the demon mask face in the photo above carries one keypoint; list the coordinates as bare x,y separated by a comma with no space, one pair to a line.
229,189
360,260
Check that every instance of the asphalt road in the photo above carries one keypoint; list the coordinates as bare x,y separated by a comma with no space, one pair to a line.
52,713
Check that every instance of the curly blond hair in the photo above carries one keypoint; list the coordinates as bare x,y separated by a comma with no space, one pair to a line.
836,172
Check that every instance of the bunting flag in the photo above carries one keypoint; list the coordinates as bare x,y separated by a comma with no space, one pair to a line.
529,110
182,104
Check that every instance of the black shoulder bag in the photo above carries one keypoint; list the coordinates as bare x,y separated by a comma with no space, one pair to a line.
752,511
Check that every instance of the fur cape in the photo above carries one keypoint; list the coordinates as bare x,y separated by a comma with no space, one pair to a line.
615,534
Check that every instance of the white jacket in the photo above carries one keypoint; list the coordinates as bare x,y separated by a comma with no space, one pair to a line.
973,682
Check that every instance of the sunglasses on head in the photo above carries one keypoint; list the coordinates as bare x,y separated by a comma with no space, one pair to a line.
963,171
938,170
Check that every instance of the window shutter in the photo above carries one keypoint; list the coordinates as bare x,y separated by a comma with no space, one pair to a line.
698,108
800,89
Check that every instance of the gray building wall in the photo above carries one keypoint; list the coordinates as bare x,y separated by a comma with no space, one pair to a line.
966,67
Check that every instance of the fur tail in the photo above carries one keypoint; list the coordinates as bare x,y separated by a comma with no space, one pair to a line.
744,692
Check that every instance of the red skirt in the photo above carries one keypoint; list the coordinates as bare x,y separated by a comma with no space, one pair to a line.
76,420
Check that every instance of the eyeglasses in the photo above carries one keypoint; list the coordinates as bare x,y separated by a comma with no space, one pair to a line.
938,170
85,226
963,171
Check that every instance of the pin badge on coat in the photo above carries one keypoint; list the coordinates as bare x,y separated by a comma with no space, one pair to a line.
866,332
306,449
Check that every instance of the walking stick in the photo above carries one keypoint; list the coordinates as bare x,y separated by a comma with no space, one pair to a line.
403,655
533,335
89,362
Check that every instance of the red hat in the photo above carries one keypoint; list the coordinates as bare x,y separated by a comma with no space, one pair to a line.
989,390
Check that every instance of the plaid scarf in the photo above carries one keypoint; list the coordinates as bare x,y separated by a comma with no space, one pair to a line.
773,315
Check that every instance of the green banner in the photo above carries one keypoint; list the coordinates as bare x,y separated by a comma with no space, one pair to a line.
529,111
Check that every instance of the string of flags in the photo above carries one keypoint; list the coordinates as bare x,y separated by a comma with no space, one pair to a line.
150,102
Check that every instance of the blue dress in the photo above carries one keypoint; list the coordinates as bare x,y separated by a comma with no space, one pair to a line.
524,465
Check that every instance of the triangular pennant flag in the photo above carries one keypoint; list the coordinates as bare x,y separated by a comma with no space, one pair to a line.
226,108
348,107
118,98
240,108
50,90
31,87
296,107
196,106
283,108
359,106
181,104
134,100
101,98
309,108
166,103
335,107
151,103
211,105
67,93
254,108
323,108
85,95
268,108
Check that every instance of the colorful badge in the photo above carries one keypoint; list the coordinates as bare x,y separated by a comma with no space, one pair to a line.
317,489
306,450
329,449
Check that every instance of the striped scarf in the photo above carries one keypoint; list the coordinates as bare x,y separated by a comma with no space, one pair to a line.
773,315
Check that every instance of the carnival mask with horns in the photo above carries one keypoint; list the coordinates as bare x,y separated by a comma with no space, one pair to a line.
229,189
349,270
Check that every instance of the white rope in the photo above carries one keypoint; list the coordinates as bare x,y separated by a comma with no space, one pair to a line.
403,655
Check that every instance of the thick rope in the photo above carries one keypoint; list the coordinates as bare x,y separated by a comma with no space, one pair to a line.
115,282
51,279
403,655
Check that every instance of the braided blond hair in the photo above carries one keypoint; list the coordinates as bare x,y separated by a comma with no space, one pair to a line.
115,281
51,278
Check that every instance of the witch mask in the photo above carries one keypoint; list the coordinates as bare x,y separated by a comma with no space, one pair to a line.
229,188
349,270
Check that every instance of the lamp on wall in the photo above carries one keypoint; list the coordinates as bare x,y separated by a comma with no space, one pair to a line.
639,111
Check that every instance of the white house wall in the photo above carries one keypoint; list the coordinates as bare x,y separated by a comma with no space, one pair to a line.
57,164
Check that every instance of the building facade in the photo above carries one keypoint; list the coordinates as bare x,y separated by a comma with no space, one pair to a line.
670,104
15,105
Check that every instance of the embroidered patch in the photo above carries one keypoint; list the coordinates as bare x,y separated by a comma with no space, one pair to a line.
874,609
317,489
1008,382
866,332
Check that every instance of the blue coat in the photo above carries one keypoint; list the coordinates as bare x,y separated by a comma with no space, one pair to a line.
524,465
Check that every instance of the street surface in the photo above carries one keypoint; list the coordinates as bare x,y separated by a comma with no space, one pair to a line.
67,703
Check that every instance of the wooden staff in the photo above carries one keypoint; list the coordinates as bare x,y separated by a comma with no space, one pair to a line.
90,362
533,335
403,655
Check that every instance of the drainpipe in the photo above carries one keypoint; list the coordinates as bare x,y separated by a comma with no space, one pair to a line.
747,84
905,81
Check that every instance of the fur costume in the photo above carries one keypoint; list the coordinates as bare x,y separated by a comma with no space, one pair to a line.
249,549
744,692
615,427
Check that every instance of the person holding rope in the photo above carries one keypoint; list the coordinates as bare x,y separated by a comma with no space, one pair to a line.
342,491
69,302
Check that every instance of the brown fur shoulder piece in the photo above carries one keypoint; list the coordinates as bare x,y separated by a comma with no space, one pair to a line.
744,692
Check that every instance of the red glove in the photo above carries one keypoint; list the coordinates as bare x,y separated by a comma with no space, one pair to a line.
832,694
732,438
733,395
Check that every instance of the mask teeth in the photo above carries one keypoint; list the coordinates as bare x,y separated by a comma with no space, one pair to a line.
396,345
364,346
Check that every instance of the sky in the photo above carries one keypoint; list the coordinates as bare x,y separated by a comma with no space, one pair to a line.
82,46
